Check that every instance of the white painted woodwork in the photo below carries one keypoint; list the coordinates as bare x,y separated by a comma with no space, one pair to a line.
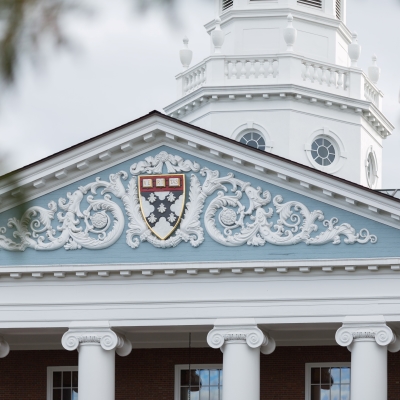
97,345
298,54
368,338
240,341
96,372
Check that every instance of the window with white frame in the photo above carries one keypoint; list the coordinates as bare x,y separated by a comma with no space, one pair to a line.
328,381
202,382
371,168
253,139
325,150
62,383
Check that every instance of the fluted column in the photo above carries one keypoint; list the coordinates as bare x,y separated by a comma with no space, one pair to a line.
97,345
241,342
368,339
4,348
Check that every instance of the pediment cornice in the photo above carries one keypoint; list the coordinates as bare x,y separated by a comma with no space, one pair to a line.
156,130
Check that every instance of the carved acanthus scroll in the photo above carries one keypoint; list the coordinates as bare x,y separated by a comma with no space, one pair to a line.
234,218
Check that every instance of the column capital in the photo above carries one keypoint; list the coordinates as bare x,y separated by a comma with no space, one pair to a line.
95,333
240,331
4,348
368,328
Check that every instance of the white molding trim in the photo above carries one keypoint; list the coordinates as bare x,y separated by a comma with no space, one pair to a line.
131,271
368,110
315,18
177,375
253,163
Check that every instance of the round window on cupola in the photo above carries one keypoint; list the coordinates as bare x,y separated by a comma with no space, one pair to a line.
253,139
325,151
253,135
371,168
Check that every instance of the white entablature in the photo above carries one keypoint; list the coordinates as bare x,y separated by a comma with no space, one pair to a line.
282,75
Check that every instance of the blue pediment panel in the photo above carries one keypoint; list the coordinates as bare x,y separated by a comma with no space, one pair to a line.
169,206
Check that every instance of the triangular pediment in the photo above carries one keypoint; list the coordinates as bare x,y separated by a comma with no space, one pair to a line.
161,191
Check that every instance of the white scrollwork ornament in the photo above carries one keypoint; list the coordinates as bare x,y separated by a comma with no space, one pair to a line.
70,342
269,345
344,337
154,165
110,341
381,334
215,340
106,338
384,336
251,335
124,347
256,339
295,222
231,219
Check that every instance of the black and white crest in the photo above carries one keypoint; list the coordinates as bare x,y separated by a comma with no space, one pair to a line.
162,201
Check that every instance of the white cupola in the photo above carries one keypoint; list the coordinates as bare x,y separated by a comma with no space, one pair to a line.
282,76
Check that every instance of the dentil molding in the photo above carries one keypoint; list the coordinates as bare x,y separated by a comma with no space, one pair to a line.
237,215
244,331
371,328
4,348
96,333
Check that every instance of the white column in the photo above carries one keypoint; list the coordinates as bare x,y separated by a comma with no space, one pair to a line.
368,339
4,348
241,342
97,345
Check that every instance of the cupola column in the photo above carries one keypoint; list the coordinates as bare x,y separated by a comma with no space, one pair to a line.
368,339
241,342
97,345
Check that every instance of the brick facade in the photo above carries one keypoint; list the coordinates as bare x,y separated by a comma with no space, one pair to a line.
149,374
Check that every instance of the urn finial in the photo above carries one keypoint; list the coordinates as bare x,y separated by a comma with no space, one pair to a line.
186,54
354,50
290,34
374,72
217,36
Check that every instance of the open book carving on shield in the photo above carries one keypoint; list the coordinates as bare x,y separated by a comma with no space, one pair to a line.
162,201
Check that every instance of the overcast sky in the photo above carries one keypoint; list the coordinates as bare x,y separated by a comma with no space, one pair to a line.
124,66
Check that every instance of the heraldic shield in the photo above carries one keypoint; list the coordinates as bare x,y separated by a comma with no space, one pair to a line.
162,201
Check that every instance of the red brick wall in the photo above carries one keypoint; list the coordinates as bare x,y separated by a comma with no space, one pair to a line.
149,374
23,374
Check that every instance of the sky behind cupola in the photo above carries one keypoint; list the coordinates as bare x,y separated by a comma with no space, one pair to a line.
125,67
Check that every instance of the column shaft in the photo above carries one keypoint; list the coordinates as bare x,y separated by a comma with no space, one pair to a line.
368,371
97,344
96,373
241,342
241,371
369,339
